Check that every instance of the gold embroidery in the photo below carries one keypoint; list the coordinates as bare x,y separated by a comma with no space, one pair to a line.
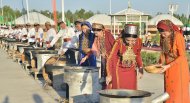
85,44
102,46
129,57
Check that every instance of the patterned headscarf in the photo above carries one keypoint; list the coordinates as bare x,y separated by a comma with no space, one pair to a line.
167,25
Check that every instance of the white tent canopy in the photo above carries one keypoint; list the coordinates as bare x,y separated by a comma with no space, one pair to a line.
102,19
35,17
156,19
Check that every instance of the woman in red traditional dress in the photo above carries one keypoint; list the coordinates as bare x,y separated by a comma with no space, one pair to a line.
174,61
123,60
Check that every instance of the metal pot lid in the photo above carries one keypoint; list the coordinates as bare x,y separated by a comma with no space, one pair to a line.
29,49
76,68
34,53
44,51
57,65
21,49
50,68
16,45
124,93
10,39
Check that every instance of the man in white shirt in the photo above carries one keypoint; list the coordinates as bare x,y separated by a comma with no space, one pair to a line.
51,33
24,33
19,32
39,34
16,32
69,42
31,35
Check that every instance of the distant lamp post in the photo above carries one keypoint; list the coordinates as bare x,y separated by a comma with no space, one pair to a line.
173,8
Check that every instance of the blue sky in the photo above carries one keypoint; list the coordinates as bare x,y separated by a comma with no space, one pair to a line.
147,6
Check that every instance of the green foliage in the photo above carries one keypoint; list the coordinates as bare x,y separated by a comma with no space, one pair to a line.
10,14
156,38
78,14
46,13
149,17
183,18
149,57
70,16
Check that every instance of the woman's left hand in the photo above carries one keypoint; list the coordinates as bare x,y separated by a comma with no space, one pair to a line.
140,75
164,68
83,60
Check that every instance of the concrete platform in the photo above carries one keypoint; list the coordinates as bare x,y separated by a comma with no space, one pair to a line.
16,86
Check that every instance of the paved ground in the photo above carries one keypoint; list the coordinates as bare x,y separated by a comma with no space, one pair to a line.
16,86
153,83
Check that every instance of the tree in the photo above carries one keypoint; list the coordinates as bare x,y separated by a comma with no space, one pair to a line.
47,13
69,15
11,15
88,14
182,18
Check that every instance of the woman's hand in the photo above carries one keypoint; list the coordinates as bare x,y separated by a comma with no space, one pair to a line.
83,60
140,75
164,68
108,79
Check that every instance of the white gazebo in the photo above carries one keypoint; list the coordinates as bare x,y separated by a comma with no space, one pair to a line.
129,15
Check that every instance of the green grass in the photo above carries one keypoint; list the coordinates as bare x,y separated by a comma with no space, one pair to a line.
150,57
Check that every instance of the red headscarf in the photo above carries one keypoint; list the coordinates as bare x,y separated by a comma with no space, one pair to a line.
167,25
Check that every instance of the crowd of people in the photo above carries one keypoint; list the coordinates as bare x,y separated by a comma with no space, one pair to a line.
120,58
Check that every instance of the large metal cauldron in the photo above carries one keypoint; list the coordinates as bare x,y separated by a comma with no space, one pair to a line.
21,48
33,53
43,56
56,63
27,51
1,39
16,45
82,81
10,44
124,96
54,68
